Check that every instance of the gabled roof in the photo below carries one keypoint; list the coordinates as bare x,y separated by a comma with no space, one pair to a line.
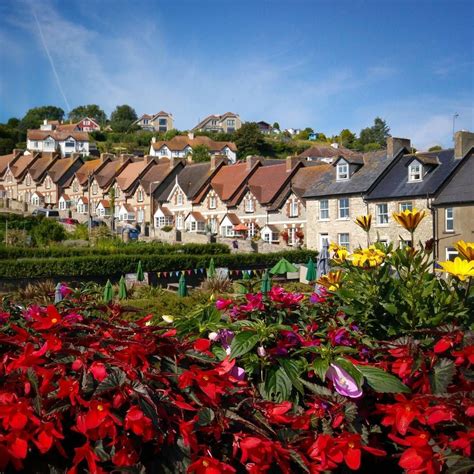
105,175
58,135
191,179
87,168
161,113
21,165
132,172
267,181
352,160
233,218
229,179
180,142
105,203
60,168
328,151
5,161
197,216
65,197
425,158
395,182
157,174
374,164
214,117
41,165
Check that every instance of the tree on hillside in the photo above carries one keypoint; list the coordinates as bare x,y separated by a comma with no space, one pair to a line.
92,111
378,133
35,116
436,148
347,138
276,126
122,118
200,153
304,134
249,140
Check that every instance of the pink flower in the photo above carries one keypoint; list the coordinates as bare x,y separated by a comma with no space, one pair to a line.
344,384
222,305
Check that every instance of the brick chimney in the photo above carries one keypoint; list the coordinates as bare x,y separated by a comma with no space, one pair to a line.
174,160
291,162
149,158
394,145
106,157
252,160
463,142
216,160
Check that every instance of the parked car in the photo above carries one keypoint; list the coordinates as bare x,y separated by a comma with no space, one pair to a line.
52,213
69,220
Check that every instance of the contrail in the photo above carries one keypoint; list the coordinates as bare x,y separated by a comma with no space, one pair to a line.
53,67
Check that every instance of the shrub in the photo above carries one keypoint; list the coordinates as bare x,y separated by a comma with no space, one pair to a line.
47,231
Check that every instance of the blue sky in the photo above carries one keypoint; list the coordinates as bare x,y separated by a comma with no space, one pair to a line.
324,64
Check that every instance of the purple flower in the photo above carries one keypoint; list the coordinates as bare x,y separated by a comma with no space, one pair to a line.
65,290
225,336
237,372
344,384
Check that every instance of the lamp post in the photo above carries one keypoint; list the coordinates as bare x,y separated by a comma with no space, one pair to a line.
455,116
152,222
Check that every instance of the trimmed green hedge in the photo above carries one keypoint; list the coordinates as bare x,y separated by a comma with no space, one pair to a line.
8,252
118,264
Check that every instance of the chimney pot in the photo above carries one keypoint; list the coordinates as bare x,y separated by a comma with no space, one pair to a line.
463,142
394,145
291,162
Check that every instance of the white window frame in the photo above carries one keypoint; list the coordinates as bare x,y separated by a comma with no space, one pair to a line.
75,186
179,222
324,209
141,215
95,189
343,210
323,237
292,239
252,229
342,171
449,219
179,199
140,195
47,182
381,217
415,172
294,208
343,240
212,202
451,253
27,179
249,205
406,205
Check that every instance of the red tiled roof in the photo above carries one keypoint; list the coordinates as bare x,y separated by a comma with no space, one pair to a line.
131,173
197,216
84,199
58,135
265,183
166,211
233,218
328,151
66,197
229,179
105,203
22,164
5,160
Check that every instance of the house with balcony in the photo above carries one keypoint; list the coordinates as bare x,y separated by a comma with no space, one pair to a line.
53,137
339,195
161,122
182,146
226,123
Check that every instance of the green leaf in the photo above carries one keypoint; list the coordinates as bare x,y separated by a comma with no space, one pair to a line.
320,367
292,369
243,343
442,376
296,457
317,389
461,465
115,379
351,369
277,385
382,381
391,308
205,416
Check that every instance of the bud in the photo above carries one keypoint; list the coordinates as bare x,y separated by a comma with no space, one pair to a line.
213,336
261,351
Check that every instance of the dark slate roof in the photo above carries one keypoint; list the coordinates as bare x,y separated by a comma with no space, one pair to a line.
191,178
395,183
360,182
460,188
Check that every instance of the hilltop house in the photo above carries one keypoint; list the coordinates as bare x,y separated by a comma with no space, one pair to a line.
53,137
227,123
160,122
182,146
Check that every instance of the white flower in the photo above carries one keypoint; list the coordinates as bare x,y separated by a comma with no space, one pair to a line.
167,318
213,336
261,351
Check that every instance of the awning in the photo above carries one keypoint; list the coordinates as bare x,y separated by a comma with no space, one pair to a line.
241,227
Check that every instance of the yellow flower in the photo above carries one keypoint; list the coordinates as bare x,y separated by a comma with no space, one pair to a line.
340,253
409,219
461,269
364,222
370,257
167,318
466,249
332,281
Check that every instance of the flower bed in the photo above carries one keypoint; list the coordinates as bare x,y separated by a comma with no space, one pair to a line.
260,384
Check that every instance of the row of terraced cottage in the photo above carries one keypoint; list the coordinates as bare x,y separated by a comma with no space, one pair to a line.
308,199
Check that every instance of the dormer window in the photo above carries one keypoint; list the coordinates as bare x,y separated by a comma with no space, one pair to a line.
212,202
342,170
179,200
140,195
415,172
249,205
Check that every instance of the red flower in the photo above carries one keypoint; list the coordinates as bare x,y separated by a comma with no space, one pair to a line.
463,355
445,343
69,388
264,453
98,371
52,318
400,415
208,465
85,453
463,442
141,425
351,447
222,305
47,434
276,412
29,358
98,417
202,345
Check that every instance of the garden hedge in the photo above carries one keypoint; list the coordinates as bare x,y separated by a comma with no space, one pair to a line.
105,265
11,252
